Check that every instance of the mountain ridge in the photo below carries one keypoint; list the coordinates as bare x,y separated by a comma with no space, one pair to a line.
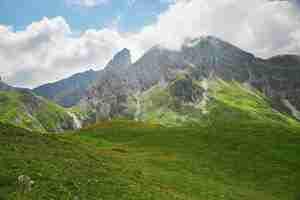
67,92
201,59
114,91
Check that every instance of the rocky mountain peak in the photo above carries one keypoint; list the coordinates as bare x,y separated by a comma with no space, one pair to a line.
286,60
121,60
193,42
213,46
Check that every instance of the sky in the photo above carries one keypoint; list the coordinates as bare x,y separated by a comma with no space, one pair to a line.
45,41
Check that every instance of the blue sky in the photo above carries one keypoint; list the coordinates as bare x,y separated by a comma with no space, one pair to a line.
130,16
43,41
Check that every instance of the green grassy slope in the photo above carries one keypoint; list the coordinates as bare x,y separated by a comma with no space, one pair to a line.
236,153
29,111
241,102
171,105
232,99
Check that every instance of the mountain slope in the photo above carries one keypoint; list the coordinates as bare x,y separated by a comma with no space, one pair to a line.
22,108
188,102
285,60
69,91
284,83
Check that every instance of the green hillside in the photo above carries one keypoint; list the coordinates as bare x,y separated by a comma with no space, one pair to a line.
26,110
240,149
187,101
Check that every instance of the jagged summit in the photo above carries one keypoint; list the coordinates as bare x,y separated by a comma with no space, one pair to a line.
214,45
121,60
192,42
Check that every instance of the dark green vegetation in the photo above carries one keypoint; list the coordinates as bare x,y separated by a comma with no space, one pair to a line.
240,151
22,108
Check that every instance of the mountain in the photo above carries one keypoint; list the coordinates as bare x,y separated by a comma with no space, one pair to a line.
69,91
120,61
23,108
285,60
281,83
109,87
187,76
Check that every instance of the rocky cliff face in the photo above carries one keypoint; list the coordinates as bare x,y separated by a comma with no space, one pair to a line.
291,61
108,95
210,55
200,59
121,61
281,81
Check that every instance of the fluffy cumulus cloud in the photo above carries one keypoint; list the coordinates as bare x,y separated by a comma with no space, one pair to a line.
260,26
49,50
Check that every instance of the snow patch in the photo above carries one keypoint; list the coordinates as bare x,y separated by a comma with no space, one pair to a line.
138,107
204,102
192,43
76,121
204,84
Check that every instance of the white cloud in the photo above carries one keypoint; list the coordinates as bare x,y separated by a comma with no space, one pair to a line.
260,26
48,50
87,3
